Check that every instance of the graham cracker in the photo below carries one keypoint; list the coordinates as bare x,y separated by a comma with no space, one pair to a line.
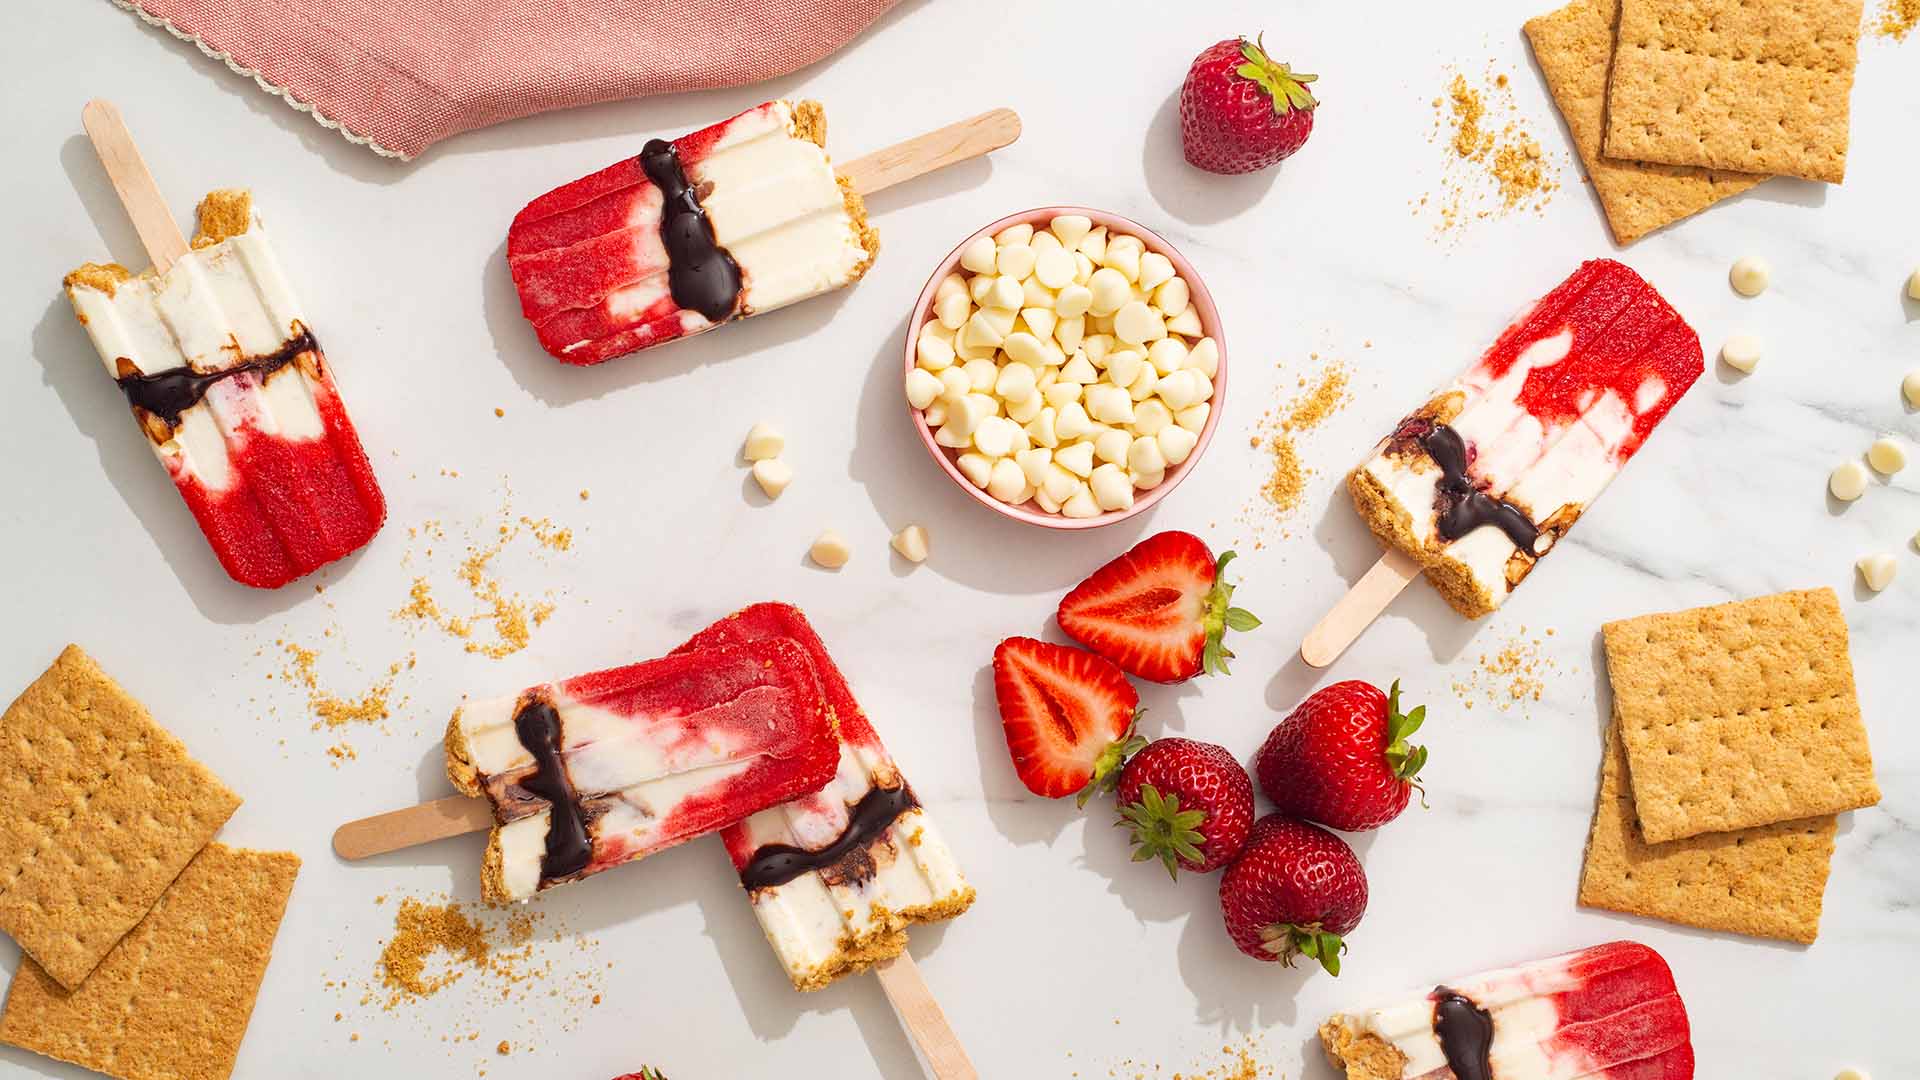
1766,881
1739,714
100,808
1757,86
172,1000
1574,47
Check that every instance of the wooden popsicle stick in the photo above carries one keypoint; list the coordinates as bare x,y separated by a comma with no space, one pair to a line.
411,827
925,1021
935,150
134,183
1357,610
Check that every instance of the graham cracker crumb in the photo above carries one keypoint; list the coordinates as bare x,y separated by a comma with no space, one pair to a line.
1232,1061
1494,165
1515,674
511,616
1897,18
101,277
1283,486
223,214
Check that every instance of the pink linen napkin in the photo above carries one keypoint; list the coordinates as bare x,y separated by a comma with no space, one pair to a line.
398,77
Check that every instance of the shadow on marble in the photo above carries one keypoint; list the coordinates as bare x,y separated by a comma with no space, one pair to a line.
73,370
1194,195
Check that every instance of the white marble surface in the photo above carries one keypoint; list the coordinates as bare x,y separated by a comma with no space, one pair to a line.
1073,959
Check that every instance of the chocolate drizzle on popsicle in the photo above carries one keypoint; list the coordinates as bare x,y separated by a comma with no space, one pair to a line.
777,864
700,273
1465,1031
1462,507
167,394
568,846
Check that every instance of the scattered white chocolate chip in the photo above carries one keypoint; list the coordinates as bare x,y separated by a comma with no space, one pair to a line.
1750,275
1848,482
1887,455
911,543
1910,386
830,550
763,442
1852,1074
773,476
1913,285
1877,570
1741,352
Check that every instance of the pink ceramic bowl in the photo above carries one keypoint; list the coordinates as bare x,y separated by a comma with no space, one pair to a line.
1202,301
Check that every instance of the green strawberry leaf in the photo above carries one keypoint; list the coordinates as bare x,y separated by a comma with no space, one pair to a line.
1221,616
1406,760
1287,88
1162,830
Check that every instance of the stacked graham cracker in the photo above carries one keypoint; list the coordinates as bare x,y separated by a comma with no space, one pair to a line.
1736,739
1676,104
145,941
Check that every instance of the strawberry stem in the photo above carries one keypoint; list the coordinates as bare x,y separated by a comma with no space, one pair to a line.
1164,831
1291,940
1106,767
1406,760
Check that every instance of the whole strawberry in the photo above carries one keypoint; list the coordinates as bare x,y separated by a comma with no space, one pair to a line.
1296,890
1342,757
1189,804
1240,111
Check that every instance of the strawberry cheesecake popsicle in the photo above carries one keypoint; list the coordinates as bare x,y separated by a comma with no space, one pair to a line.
1481,481
735,219
230,386
837,876
1609,1012
606,768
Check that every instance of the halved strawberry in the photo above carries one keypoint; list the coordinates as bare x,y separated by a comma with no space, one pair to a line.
1159,611
1068,714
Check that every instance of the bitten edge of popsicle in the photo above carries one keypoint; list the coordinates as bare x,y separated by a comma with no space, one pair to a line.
1363,1055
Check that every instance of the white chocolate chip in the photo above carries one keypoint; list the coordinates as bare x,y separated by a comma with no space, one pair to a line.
1110,291
980,375
1144,456
1025,349
1124,366
1034,463
1045,501
978,255
952,311
1146,481
1109,404
1040,429
1097,345
1041,321
954,384
1143,384
773,476
1193,418
1851,1074
1187,323
1154,269
1910,386
763,442
1176,443
971,411
911,543
1070,228
1073,421
1741,352
1061,394
1848,482
1151,418
1750,275
994,436
1123,254
923,388
977,468
1035,295
980,332
1054,269
1181,389
1887,455
1068,332
830,550
951,285
1204,357
1167,355
1877,570
951,437
1171,297
1076,459
1006,294
935,414
1094,245
1081,505
1111,446
1007,481
1137,324
1111,488
1014,234
1073,300
1044,241
1016,261
1913,285
1059,484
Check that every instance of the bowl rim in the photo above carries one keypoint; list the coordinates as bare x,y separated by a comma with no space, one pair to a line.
1199,295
